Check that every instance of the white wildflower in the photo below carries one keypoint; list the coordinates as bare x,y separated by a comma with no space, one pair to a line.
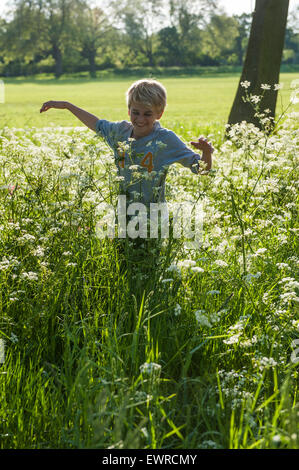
255,99
202,318
289,296
208,444
245,84
145,432
174,268
8,262
14,339
187,263
249,277
295,86
265,298
39,252
295,83
294,99
283,266
177,310
260,251
30,276
143,396
264,363
232,339
134,167
150,368
221,263
264,86
249,342
197,269
26,237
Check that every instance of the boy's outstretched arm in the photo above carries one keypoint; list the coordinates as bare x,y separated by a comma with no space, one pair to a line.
88,119
207,150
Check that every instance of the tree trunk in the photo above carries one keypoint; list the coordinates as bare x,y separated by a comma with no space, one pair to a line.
92,64
263,58
57,56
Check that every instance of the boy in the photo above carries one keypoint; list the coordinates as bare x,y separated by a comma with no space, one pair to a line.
142,144
143,152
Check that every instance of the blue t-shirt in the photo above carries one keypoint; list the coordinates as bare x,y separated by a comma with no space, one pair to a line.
143,163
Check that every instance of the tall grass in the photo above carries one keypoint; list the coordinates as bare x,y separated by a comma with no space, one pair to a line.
109,348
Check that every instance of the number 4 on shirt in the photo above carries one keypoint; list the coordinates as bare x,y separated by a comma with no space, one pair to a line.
121,155
147,162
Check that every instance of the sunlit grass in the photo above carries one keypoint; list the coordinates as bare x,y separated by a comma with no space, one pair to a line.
189,349
194,102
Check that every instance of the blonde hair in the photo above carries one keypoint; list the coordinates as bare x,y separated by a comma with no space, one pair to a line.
148,92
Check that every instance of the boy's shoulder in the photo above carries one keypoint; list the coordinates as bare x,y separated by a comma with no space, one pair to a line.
165,134
121,126
162,131
124,125
113,129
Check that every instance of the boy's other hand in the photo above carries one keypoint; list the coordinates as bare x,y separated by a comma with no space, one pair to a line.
53,104
203,144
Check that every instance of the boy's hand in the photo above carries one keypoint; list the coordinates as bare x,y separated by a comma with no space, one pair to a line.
207,150
53,104
203,145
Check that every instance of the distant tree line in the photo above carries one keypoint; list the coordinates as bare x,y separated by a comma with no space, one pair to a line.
58,36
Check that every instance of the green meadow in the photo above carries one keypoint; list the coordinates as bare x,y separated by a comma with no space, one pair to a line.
194,102
160,344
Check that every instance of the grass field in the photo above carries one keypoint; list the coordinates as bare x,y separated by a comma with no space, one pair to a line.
182,348
196,102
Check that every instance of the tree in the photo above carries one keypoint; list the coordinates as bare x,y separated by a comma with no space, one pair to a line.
55,17
244,22
169,46
219,38
188,16
20,35
140,22
92,27
38,29
263,59
291,46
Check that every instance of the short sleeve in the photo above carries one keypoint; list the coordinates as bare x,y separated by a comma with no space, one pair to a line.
177,151
112,132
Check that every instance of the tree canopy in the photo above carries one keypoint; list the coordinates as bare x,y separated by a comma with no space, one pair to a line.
74,35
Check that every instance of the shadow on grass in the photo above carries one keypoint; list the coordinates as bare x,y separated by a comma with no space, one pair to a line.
135,73
128,73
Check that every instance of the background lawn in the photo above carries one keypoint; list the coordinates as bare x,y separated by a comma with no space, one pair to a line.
195,103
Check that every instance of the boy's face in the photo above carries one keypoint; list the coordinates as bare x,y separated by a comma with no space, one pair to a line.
143,119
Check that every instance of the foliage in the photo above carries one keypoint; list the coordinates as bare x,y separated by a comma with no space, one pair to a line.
189,349
70,35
